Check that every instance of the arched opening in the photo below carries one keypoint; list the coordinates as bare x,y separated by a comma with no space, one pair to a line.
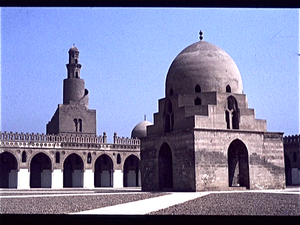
80,125
171,92
197,101
103,176
168,117
131,176
232,103
235,120
232,113
238,165
288,170
73,171
165,167
119,159
24,157
228,89
40,171
57,157
227,119
8,170
197,89
76,125
89,158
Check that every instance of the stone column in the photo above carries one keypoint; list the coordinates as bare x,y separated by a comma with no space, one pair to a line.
88,178
23,179
57,179
118,179
139,179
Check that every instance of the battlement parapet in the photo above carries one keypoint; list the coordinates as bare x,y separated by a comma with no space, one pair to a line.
291,139
77,138
126,141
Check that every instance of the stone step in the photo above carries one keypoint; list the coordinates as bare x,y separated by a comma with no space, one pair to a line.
237,188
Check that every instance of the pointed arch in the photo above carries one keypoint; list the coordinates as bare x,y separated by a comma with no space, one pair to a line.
197,101
238,164
165,167
8,170
232,103
228,89
73,171
131,177
232,113
197,89
40,171
103,175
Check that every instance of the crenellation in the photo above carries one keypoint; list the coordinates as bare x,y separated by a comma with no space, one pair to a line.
77,138
125,141
291,139
78,141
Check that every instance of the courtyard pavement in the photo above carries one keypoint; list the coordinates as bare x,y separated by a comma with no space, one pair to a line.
131,201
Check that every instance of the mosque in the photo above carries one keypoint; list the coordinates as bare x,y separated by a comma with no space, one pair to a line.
204,137
70,154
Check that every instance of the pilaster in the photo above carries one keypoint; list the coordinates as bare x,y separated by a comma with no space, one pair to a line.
57,179
88,178
118,179
23,179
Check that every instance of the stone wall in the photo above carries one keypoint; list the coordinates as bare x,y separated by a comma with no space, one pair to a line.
292,159
265,155
181,144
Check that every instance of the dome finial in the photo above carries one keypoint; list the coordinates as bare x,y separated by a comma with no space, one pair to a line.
145,118
201,35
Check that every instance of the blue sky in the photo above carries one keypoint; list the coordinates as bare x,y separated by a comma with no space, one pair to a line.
126,53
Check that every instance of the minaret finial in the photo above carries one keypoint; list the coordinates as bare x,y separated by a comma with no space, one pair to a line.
73,44
145,118
201,35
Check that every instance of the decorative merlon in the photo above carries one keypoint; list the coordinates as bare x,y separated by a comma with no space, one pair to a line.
66,138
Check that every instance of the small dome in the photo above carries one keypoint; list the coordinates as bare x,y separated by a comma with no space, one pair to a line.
205,65
73,49
140,130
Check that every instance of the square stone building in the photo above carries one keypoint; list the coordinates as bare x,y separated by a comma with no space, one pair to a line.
204,136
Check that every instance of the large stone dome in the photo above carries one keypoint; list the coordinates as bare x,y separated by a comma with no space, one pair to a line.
206,65
140,130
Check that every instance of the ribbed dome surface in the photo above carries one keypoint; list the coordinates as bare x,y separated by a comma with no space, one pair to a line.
206,65
140,130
